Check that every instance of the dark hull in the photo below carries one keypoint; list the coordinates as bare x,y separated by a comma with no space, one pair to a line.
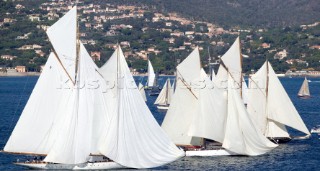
279,140
304,97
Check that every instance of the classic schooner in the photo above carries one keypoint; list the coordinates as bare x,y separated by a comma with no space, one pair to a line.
82,117
304,92
201,112
270,106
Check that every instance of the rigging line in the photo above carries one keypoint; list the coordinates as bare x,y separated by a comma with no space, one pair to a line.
118,94
188,87
267,92
257,86
77,51
227,69
18,105
60,62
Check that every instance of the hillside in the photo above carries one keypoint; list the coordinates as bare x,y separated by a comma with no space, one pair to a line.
248,13
145,29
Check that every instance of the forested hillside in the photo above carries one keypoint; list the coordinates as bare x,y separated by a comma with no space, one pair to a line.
248,13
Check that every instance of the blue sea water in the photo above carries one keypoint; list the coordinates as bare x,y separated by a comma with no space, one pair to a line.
295,155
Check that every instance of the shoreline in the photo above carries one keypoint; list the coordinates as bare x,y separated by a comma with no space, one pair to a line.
19,74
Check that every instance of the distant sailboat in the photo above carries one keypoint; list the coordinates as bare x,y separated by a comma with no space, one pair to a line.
164,98
151,75
270,106
152,83
143,93
199,112
80,117
304,90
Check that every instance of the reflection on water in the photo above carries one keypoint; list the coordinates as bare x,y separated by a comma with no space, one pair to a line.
296,155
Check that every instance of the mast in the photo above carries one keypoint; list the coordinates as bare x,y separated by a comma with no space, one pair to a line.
77,50
267,92
209,63
241,69
167,89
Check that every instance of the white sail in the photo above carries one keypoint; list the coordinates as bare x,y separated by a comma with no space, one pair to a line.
63,113
304,90
184,105
165,95
257,99
241,135
209,121
270,105
143,93
41,111
151,75
280,106
244,91
63,37
133,138
232,60
75,113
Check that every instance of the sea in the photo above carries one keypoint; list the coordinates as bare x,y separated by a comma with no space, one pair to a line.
295,155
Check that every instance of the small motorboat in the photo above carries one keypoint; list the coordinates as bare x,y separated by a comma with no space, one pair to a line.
316,129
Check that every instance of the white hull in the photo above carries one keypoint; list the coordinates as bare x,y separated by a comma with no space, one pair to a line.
317,131
82,166
217,152
163,107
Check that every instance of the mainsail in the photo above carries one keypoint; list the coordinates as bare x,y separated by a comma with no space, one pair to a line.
304,90
270,105
165,95
133,138
151,75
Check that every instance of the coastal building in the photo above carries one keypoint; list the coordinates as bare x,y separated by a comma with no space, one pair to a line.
95,56
280,55
8,57
21,68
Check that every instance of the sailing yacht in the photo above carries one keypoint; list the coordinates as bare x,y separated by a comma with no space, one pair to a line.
304,92
152,83
164,98
151,76
199,113
270,106
82,117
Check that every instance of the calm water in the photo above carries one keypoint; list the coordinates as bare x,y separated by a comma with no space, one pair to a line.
296,155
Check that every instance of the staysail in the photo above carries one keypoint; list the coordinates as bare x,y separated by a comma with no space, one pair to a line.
41,111
133,137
